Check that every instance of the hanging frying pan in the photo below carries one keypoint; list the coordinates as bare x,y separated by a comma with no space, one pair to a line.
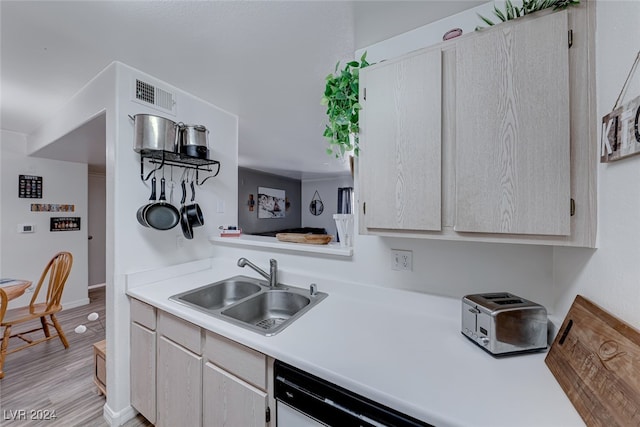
162,215
187,228
194,213
152,200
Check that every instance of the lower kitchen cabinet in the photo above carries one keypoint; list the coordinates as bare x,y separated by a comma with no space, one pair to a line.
179,382
143,359
182,375
230,401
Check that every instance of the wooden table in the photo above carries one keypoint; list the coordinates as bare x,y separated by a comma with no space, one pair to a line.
14,287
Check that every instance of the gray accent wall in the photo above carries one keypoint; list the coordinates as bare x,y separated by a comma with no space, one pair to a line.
248,182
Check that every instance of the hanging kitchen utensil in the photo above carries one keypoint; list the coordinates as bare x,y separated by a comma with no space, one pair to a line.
187,229
194,213
142,209
162,215
316,207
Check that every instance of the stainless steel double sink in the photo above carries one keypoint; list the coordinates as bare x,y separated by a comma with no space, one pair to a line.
251,303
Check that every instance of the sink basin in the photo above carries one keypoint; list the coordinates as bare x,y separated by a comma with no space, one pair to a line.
220,294
251,303
268,310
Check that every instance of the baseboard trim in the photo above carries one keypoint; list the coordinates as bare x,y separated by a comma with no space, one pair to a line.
118,418
76,303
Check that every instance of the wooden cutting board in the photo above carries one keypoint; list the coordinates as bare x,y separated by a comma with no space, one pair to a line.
596,359
314,239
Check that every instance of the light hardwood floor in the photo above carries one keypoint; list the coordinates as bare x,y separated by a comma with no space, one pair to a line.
49,378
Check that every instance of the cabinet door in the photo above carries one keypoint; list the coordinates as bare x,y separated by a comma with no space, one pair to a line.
512,132
143,371
231,402
179,386
400,156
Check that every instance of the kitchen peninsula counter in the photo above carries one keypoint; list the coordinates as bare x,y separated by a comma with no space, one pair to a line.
402,349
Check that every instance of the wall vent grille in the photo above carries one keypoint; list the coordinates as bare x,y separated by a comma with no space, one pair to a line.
154,96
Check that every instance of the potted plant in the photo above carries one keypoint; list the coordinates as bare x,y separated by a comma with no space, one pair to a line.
528,6
341,98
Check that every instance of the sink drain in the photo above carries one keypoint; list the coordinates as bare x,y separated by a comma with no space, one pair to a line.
270,323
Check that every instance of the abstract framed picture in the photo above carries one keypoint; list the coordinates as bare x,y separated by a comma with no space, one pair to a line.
271,203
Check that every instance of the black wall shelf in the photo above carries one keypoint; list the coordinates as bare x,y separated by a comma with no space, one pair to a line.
158,159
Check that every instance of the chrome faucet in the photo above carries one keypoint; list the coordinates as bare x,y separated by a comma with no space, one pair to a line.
272,277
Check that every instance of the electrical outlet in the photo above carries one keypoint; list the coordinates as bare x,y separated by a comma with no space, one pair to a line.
401,260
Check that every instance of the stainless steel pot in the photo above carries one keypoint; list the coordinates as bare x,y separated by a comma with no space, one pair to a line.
194,141
155,133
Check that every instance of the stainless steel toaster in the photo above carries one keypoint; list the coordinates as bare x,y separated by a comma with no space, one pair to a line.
503,323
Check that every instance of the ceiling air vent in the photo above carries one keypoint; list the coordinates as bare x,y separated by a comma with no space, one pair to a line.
153,96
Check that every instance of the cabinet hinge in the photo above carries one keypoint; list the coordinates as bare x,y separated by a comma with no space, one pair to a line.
570,38
268,415
572,209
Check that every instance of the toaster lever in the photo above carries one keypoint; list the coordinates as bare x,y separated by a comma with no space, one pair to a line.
474,310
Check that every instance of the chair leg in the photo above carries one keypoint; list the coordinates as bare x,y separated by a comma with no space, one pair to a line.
3,348
45,326
60,333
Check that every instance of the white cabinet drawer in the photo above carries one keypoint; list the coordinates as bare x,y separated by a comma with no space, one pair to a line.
180,331
143,314
240,360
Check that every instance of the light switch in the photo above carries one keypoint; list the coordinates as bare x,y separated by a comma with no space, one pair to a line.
220,208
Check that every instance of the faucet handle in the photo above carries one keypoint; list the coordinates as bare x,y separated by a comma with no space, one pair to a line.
313,289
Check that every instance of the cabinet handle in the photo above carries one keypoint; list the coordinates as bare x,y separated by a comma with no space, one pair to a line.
570,38
572,208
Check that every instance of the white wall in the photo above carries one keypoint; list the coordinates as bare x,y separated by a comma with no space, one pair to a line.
24,255
131,247
328,190
610,275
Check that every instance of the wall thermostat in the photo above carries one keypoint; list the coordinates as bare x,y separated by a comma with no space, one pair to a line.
26,228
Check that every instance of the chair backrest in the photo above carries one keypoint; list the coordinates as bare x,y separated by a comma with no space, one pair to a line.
3,303
57,270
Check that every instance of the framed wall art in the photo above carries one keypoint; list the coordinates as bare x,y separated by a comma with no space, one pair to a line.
271,203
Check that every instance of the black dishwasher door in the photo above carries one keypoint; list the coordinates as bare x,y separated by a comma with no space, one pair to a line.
331,404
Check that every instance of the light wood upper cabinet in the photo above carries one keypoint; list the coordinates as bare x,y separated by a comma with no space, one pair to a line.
401,143
512,129
488,137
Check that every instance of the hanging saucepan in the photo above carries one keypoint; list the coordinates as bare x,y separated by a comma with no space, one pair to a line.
187,228
155,133
194,141
152,200
162,215
194,213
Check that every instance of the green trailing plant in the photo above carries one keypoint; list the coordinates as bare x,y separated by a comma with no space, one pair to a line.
343,109
530,6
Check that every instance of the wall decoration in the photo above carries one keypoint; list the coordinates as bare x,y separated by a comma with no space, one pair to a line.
620,136
29,187
64,224
316,207
47,207
271,203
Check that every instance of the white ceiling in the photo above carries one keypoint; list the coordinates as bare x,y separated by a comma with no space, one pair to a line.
262,60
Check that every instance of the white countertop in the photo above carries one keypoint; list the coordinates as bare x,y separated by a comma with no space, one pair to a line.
402,349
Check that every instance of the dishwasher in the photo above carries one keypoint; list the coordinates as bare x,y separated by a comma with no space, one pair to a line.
304,400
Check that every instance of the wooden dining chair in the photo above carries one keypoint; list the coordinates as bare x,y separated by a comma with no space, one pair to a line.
57,271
